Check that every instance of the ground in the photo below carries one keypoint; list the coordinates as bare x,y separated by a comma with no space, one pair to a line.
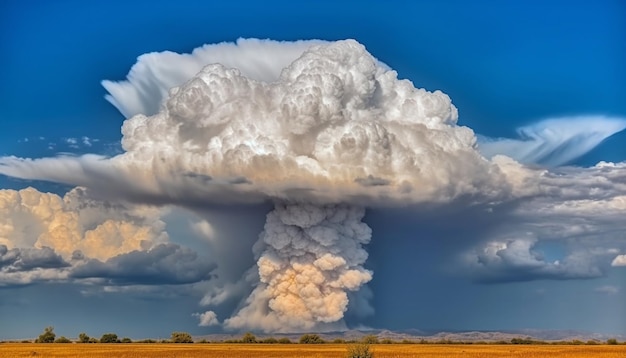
222,350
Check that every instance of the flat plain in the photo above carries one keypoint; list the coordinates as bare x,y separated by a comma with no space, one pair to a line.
223,350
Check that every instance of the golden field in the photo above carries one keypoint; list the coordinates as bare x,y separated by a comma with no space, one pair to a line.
136,350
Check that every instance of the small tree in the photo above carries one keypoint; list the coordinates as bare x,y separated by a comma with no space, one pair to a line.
47,336
181,337
109,338
83,338
284,340
359,350
311,339
611,341
248,338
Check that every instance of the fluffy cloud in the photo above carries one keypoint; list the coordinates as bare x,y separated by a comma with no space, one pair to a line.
151,78
518,260
46,237
20,266
208,318
28,259
580,210
334,123
99,229
309,258
163,264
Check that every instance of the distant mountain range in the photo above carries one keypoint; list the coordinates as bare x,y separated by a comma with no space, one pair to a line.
455,336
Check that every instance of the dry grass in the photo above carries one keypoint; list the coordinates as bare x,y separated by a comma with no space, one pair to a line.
301,350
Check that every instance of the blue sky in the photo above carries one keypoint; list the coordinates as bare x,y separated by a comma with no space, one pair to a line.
504,65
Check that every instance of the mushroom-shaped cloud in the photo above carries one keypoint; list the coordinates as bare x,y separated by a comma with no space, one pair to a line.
335,127
336,131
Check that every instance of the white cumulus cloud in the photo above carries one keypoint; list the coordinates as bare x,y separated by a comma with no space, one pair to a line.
32,219
336,126
149,80
208,318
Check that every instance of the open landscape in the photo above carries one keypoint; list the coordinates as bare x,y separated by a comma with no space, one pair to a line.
354,179
227,350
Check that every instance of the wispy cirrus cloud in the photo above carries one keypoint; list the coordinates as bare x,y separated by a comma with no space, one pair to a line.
554,141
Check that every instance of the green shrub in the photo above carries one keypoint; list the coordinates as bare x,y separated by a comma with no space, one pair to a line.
359,350
62,339
311,339
248,338
181,337
83,338
109,338
47,336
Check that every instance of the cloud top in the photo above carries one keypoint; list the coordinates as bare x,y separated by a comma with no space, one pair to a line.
335,126
149,80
